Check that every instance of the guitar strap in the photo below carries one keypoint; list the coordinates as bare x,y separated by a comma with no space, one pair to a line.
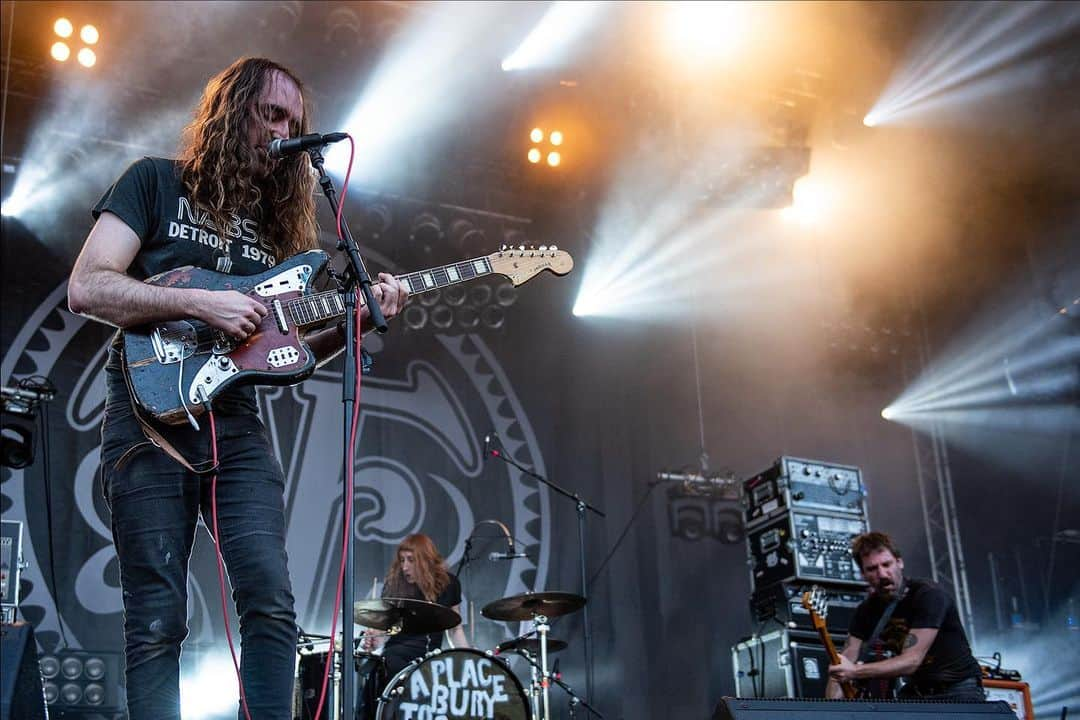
151,434
864,651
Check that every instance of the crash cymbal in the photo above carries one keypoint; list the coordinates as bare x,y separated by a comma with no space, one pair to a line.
529,605
531,646
412,617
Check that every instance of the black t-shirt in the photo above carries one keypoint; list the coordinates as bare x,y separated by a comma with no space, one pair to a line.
416,645
174,231
924,605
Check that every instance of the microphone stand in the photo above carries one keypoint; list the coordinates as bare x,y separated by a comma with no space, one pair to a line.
355,275
581,507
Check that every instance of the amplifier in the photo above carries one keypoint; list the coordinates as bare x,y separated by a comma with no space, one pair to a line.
10,562
782,601
804,546
793,483
738,709
1014,692
783,663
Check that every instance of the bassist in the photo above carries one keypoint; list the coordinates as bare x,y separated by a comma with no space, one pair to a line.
914,622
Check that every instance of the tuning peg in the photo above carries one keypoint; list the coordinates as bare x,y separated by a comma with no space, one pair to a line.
543,249
521,248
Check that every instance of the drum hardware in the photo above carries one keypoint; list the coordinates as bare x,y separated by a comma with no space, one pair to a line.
538,607
526,643
556,677
404,615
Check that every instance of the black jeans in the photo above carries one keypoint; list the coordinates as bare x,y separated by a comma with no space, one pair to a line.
155,504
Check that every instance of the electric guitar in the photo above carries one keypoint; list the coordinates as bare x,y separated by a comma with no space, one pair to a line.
816,603
176,368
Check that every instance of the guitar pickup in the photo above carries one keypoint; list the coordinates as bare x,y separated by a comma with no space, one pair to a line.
279,316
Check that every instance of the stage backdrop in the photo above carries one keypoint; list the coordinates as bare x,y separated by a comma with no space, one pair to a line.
598,407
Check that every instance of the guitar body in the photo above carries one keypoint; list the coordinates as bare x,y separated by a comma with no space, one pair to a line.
187,362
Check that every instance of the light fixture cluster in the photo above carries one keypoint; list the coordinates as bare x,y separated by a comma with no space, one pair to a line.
550,154
65,30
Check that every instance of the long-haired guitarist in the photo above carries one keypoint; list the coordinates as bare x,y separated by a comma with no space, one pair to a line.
225,206
913,624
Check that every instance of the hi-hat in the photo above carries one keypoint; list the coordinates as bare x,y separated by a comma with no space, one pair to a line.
531,646
530,605
405,615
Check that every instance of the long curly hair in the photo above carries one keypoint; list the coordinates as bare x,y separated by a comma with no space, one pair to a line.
431,574
218,163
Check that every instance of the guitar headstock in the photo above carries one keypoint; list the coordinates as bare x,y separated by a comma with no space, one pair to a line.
816,602
521,264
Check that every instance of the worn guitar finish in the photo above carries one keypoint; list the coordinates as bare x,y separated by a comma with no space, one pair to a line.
174,368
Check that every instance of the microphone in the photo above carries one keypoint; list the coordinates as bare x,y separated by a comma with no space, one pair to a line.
281,147
506,555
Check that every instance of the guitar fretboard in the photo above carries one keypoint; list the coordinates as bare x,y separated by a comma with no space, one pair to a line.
323,306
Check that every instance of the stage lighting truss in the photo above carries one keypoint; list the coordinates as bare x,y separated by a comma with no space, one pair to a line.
65,41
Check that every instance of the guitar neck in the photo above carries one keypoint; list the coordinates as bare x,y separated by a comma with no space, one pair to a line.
319,308
849,690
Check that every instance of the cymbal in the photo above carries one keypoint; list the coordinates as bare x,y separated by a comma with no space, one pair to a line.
412,617
531,646
529,605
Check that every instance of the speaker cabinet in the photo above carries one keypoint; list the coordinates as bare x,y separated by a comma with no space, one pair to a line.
21,694
739,709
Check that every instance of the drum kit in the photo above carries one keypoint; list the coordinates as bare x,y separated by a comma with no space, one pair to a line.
454,684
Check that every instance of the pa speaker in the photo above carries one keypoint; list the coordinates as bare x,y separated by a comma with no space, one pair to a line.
21,695
739,709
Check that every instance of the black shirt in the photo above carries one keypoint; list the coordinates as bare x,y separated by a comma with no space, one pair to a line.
417,645
174,231
924,605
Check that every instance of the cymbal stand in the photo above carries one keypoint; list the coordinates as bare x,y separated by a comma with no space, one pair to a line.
574,699
542,628
534,684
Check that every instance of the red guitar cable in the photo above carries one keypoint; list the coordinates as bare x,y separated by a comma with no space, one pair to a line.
221,563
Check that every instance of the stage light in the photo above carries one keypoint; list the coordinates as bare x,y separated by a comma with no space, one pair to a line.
442,317
89,34
534,155
537,135
415,316
464,236
63,27
707,30
548,42
454,295
60,51
870,120
887,413
556,138
377,219
809,202
426,229
468,317
87,58
493,317
16,446
480,294
553,159
506,294
973,52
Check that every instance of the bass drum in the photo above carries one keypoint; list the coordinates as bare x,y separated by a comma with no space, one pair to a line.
455,684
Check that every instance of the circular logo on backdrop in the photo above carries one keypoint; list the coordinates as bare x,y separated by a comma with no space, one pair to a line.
420,467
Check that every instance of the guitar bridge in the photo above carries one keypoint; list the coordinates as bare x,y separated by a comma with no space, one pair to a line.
174,341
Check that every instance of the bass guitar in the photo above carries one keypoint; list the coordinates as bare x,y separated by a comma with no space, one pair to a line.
175,368
815,602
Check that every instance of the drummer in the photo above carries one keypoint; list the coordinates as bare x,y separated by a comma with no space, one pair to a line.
418,572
